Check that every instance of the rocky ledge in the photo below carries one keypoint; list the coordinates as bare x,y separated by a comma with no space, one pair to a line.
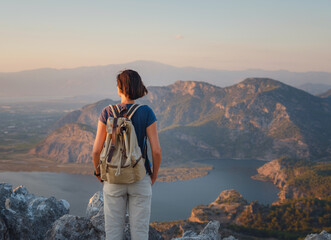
225,209
26,216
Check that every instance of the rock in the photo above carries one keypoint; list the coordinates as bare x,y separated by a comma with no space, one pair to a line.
4,235
229,196
90,227
230,238
73,228
324,235
189,233
95,204
273,171
173,231
210,232
6,191
228,205
98,221
28,216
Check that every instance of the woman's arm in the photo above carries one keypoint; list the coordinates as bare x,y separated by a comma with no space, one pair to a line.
156,149
98,145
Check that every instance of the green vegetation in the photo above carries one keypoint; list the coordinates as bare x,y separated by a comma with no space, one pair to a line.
286,129
294,218
311,178
298,216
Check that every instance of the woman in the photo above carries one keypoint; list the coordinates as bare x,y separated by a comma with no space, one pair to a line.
136,196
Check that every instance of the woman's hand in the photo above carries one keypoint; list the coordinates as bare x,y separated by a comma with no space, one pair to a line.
97,147
99,178
156,149
153,178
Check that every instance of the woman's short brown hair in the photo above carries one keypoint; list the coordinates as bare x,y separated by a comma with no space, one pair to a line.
131,85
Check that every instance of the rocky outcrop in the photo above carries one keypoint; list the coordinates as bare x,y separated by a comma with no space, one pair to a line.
73,227
210,232
224,209
90,227
26,216
275,172
324,235
272,171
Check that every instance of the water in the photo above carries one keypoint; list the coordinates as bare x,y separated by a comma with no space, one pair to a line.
171,201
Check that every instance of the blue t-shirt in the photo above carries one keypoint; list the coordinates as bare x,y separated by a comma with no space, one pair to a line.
141,119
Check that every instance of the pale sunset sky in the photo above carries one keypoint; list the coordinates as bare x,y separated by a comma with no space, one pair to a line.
293,35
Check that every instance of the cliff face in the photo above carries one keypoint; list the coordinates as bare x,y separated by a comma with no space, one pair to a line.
71,143
272,171
257,118
277,173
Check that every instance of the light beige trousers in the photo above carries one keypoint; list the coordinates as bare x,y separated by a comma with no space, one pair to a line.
137,197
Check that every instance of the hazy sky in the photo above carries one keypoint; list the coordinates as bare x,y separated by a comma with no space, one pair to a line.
230,35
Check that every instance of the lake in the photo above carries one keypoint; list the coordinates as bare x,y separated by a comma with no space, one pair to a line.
171,201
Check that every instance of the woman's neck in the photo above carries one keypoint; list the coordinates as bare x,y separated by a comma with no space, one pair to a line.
126,100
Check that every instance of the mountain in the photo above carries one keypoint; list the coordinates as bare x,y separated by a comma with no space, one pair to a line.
315,88
326,94
88,115
101,80
72,142
257,118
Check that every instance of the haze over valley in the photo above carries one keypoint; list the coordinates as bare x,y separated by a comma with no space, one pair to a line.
97,82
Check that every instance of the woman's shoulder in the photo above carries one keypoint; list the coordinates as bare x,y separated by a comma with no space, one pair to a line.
145,107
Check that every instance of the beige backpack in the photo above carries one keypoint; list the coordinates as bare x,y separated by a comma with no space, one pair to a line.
121,160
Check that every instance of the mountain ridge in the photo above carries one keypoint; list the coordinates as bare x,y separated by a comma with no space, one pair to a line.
257,118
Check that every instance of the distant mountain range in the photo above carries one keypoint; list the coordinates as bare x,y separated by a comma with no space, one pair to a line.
101,80
326,94
257,118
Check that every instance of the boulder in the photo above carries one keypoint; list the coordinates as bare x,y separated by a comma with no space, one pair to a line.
324,235
210,232
230,238
4,235
28,216
74,228
95,204
6,191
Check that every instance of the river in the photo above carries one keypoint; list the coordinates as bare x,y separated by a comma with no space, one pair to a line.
171,201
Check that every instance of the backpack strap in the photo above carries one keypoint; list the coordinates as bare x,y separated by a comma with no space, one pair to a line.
114,110
147,163
113,134
132,110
